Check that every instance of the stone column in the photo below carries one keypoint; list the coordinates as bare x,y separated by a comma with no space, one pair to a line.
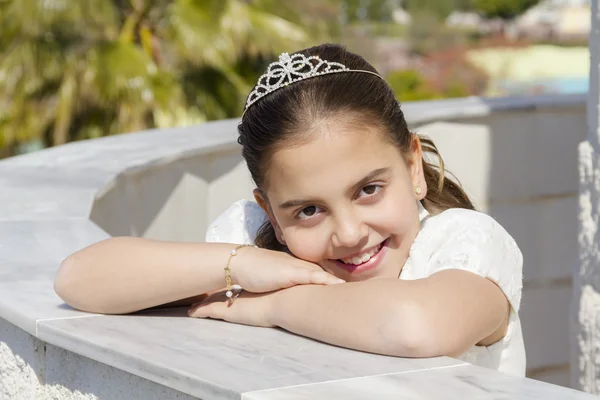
585,335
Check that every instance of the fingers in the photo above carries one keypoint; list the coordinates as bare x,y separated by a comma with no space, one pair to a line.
324,278
212,306
316,278
215,309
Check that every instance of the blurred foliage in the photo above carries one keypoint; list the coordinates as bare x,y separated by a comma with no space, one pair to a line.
381,10
505,9
439,9
490,8
388,29
410,85
367,10
451,74
443,75
77,69
427,34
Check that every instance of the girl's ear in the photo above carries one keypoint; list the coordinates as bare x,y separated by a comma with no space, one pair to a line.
262,201
415,165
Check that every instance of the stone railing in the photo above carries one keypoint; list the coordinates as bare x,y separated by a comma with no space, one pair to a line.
516,157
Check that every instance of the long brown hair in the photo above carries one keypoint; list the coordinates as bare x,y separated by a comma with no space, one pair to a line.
283,117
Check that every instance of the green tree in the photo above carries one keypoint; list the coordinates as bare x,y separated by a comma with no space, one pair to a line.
409,85
506,9
75,69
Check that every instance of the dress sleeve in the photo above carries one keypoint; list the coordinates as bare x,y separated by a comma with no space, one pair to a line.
238,224
477,243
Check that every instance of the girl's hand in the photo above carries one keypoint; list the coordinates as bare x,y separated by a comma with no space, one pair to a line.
248,309
260,270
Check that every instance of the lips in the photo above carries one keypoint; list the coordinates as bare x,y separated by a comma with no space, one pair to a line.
375,256
362,257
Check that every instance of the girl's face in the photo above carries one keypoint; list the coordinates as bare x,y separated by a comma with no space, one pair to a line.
346,200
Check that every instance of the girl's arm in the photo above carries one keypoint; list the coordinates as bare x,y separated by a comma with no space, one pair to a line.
127,274
444,314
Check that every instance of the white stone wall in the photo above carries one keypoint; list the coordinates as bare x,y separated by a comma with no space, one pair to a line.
586,303
33,370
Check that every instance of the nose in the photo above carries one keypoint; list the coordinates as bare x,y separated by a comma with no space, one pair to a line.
349,231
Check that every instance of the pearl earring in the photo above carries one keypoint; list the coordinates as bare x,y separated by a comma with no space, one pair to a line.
418,190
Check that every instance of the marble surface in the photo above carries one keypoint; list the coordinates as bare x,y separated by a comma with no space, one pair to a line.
27,304
30,254
45,202
196,356
43,242
449,383
14,175
116,154
20,204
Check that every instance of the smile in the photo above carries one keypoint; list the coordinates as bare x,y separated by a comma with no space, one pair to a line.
362,257
365,260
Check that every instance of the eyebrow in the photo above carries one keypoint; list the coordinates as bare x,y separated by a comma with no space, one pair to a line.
372,175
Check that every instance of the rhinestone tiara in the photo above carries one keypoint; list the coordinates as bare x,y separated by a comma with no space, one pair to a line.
291,69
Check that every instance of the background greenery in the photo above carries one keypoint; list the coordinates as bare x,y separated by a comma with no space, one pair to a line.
79,69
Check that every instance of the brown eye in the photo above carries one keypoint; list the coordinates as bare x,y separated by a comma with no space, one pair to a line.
371,189
308,212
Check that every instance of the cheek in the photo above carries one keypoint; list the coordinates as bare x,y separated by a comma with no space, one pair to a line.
306,244
397,213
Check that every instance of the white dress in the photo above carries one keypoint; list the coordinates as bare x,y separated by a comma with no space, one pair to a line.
454,239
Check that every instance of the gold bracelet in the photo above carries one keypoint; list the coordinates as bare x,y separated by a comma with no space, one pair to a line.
234,252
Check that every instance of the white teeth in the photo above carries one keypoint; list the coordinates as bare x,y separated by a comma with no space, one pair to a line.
362,258
357,260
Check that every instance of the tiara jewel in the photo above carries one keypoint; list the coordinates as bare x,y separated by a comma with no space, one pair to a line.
291,69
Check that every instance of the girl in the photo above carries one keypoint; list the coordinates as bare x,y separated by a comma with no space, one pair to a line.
361,242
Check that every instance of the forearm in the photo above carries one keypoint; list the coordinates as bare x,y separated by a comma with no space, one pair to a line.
367,316
444,314
123,275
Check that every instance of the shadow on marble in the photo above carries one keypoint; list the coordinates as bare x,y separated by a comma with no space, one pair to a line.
448,383
212,359
26,303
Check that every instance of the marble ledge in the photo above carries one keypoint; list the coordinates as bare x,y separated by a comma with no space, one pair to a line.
421,112
46,197
449,383
27,204
216,360
30,255
119,153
